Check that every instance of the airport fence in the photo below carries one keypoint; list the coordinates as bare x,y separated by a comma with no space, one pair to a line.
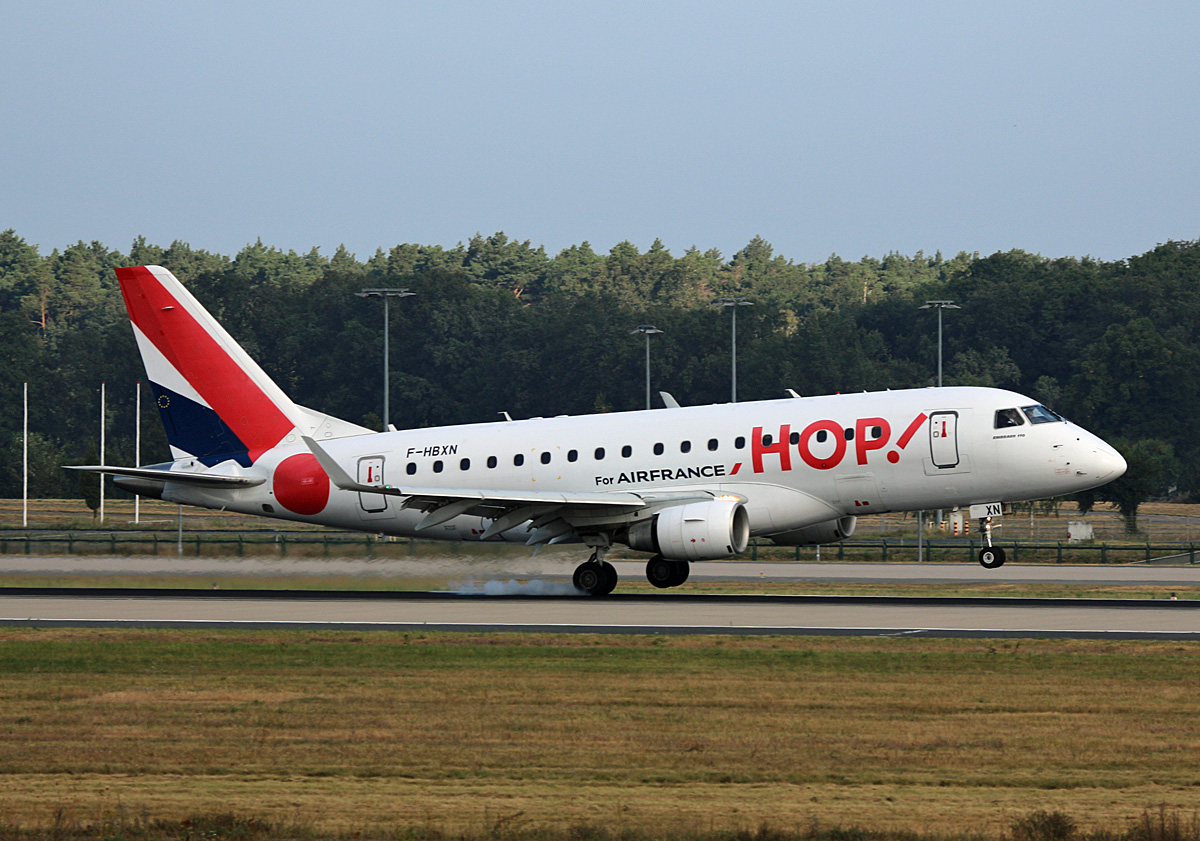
203,544
967,551
358,545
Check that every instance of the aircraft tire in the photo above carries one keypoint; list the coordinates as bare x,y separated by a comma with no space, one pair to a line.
595,579
610,579
682,570
660,572
663,573
991,557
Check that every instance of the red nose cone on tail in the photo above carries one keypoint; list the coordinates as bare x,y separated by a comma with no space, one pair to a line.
300,484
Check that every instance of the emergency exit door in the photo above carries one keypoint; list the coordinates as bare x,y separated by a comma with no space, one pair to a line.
943,439
370,472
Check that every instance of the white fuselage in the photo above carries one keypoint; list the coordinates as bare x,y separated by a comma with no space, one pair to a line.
796,462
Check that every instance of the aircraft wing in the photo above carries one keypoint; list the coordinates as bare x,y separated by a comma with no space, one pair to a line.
554,515
203,480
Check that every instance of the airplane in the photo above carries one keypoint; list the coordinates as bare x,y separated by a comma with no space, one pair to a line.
685,483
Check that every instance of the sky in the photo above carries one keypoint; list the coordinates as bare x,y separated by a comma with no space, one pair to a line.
850,128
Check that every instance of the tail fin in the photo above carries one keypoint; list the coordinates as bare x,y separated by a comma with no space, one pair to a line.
215,402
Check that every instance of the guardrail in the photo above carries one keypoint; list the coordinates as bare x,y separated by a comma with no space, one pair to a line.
967,550
195,544
342,544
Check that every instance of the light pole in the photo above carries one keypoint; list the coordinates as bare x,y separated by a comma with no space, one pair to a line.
648,330
385,294
102,425
734,303
939,306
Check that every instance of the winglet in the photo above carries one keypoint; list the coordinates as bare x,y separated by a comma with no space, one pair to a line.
669,401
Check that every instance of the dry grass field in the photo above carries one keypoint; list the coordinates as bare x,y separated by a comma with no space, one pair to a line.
642,736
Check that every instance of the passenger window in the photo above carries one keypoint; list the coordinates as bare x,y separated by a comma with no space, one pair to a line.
572,455
685,446
877,432
518,460
599,454
849,434
794,438
546,457
739,443
411,469
822,434
491,462
767,439
437,466
465,464
712,444
658,449
626,451
1008,417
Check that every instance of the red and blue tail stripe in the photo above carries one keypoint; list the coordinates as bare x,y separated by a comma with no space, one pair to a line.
216,403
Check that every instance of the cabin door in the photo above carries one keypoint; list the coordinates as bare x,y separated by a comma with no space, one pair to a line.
943,439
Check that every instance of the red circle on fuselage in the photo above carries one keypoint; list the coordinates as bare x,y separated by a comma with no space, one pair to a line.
300,484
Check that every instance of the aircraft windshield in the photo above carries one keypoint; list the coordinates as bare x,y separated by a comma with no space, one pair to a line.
1040,414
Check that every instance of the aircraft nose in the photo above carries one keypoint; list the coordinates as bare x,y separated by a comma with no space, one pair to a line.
1109,463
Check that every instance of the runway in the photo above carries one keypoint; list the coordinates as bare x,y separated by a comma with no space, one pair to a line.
533,594
620,614
556,564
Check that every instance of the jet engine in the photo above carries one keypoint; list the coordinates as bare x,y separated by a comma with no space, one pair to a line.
829,531
696,531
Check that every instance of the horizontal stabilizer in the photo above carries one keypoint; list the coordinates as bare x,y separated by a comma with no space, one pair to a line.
201,480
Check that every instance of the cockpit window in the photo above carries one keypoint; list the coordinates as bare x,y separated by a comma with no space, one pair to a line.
1040,414
1008,417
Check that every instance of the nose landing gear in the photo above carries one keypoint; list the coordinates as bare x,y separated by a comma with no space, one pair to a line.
990,557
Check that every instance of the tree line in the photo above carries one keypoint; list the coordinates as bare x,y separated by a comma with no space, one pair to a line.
498,325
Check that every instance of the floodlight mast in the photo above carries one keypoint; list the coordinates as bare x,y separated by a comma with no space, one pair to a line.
385,294
939,306
648,330
733,303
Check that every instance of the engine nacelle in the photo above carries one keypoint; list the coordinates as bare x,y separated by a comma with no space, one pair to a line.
830,531
696,531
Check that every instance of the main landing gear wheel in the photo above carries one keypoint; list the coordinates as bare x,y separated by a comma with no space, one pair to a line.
596,578
663,573
991,557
